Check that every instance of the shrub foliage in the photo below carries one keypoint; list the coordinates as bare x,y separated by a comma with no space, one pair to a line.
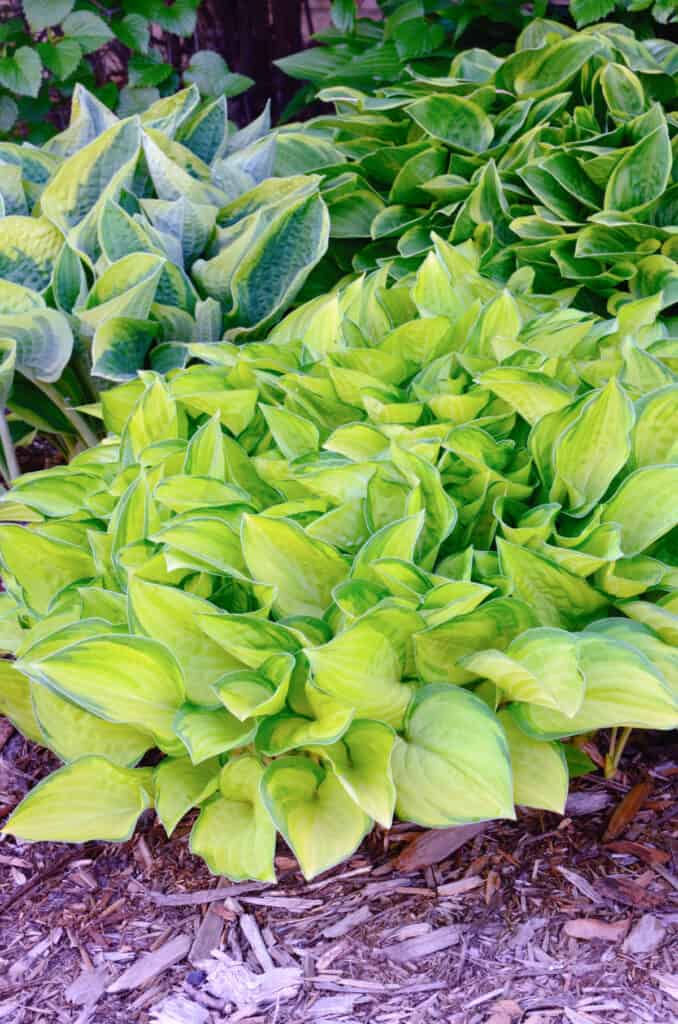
383,562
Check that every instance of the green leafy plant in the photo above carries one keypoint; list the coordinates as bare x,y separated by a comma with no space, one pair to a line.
424,35
120,52
383,562
559,157
123,241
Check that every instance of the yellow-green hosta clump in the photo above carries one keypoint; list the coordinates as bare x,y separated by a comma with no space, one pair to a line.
382,563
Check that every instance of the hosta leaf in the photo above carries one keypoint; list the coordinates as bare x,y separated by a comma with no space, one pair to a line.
640,507
540,774
138,681
173,617
15,702
234,833
180,785
642,173
622,689
361,760
29,247
71,732
362,668
539,667
556,596
249,694
94,173
42,566
251,640
90,799
285,732
120,345
314,813
278,552
453,763
594,448
439,649
206,733
457,121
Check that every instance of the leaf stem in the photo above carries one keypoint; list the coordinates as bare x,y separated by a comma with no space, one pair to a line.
71,414
618,741
11,461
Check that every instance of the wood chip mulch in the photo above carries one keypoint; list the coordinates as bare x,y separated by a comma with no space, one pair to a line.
540,921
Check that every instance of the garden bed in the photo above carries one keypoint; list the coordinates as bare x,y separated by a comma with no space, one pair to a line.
503,912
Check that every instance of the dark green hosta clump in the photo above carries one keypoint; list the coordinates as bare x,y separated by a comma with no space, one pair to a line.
384,562
559,157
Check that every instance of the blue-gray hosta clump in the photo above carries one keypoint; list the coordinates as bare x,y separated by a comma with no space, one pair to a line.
384,562
123,239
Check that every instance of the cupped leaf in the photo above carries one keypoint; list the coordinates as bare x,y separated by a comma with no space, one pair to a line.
314,813
234,833
452,765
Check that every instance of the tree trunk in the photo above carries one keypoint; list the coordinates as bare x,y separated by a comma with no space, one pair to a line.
250,35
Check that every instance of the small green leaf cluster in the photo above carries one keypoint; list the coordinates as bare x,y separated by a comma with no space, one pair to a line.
383,562
123,240
422,35
58,43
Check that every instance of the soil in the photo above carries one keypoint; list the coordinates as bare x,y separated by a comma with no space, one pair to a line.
545,920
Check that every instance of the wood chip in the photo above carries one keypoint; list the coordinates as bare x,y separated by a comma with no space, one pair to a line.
207,937
627,810
293,903
347,923
646,936
151,965
588,928
461,886
579,804
424,945
250,930
194,899
434,846
88,987
580,884
668,983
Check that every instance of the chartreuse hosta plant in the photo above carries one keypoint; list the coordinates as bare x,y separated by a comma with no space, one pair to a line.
121,239
384,562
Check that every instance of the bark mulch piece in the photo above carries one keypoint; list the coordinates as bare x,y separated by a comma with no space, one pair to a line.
539,921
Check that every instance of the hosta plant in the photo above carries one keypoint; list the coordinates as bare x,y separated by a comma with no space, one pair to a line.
386,561
558,157
121,239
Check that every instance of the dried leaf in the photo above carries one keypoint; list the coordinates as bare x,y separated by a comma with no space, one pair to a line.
627,810
433,846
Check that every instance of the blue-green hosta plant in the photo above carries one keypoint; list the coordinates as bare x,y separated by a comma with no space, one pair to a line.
384,562
559,157
122,238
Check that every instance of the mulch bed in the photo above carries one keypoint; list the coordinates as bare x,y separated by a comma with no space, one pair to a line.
540,921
